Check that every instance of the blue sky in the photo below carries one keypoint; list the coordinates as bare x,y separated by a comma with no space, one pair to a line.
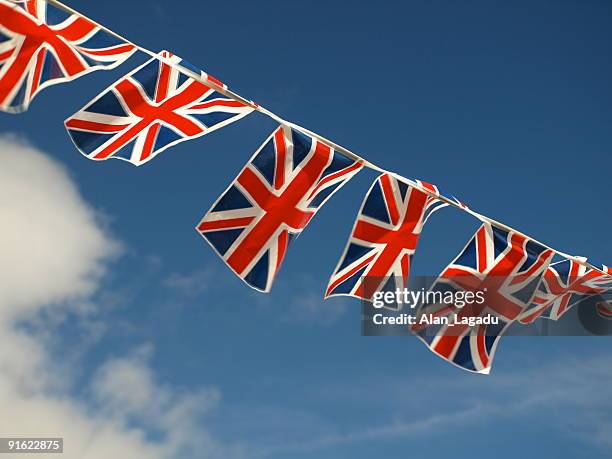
506,105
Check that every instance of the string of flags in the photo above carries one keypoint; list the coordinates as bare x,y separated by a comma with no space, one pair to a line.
275,196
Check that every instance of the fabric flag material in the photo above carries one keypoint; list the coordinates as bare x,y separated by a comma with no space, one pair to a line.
271,201
565,284
604,306
506,268
151,109
42,45
384,238
604,309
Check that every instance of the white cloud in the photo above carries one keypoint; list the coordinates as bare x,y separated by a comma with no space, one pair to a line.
53,253
126,389
51,244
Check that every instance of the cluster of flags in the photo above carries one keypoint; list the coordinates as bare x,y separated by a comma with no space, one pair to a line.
280,189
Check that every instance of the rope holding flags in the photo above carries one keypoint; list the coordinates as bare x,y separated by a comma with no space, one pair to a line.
167,101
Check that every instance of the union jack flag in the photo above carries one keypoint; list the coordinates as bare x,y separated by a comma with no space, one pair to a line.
604,309
271,201
384,238
563,285
604,306
506,268
151,109
42,45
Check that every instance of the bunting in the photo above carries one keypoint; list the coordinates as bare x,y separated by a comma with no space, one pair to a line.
151,109
604,309
565,284
506,269
378,254
42,45
271,201
167,101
